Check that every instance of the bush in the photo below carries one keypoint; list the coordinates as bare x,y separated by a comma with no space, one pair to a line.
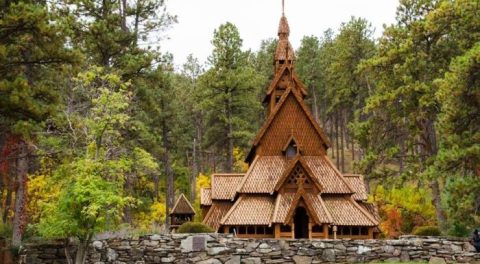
5,229
427,231
192,227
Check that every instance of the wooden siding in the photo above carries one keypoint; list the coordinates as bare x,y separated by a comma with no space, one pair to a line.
291,121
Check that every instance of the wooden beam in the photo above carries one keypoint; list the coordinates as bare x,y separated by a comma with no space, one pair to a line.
293,230
325,231
277,230
370,232
309,230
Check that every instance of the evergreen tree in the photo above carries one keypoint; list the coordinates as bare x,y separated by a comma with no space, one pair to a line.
459,151
33,52
228,97
402,108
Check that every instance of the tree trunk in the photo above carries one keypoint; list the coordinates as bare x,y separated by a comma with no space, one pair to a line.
168,171
342,139
8,201
332,130
127,211
229,149
193,179
432,149
82,250
67,251
352,142
20,194
199,136
437,202
337,144
315,106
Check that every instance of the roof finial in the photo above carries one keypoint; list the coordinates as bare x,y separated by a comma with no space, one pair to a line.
283,7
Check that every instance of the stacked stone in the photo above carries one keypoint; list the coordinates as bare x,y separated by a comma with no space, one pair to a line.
220,248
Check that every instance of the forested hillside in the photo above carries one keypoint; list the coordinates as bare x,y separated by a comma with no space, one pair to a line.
98,131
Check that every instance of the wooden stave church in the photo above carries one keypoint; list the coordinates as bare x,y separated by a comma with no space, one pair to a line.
291,188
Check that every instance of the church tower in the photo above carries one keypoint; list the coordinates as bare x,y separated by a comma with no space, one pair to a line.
291,188
283,67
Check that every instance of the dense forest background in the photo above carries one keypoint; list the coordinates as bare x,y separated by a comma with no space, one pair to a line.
99,132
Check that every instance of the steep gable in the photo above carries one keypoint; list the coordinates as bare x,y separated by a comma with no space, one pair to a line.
298,170
290,118
182,206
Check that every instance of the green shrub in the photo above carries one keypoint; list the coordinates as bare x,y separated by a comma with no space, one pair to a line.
427,231
192,227
5,229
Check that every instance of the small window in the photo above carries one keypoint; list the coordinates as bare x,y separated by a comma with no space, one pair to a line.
250,230
317,229
291,150
285,228
355,231
242,230
347,230
277,98
282,61
364,231
260,230
269,230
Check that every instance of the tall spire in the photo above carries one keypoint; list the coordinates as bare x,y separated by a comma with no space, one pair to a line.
284,53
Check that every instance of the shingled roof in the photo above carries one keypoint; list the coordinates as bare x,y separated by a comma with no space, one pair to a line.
330,178
262,175
218,210
250,210
182,206
358,185
345,211
206,196
224,185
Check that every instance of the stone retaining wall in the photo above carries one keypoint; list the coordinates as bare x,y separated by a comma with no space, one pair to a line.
219,248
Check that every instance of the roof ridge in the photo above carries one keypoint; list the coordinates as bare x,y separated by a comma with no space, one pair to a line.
338,173
277,109
291,167
365,212
178,201
301,194
329,216
275,210
247,174
228,174
234,206
275,80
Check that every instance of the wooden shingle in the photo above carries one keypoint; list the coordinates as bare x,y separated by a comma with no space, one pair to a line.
224,185
206,196
182,206
358,185
250,210
345,211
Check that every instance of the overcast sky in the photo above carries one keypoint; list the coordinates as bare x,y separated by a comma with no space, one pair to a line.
258,20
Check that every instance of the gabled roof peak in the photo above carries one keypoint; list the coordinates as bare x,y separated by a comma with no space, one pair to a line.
182,206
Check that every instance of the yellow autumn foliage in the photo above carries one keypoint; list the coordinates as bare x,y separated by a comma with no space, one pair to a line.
239,165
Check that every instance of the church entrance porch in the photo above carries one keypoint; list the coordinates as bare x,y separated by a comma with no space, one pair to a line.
300,221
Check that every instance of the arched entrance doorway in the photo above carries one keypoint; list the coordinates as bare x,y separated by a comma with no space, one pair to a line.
301,223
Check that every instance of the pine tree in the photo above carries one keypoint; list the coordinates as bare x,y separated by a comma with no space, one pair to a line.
229,98
33,51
